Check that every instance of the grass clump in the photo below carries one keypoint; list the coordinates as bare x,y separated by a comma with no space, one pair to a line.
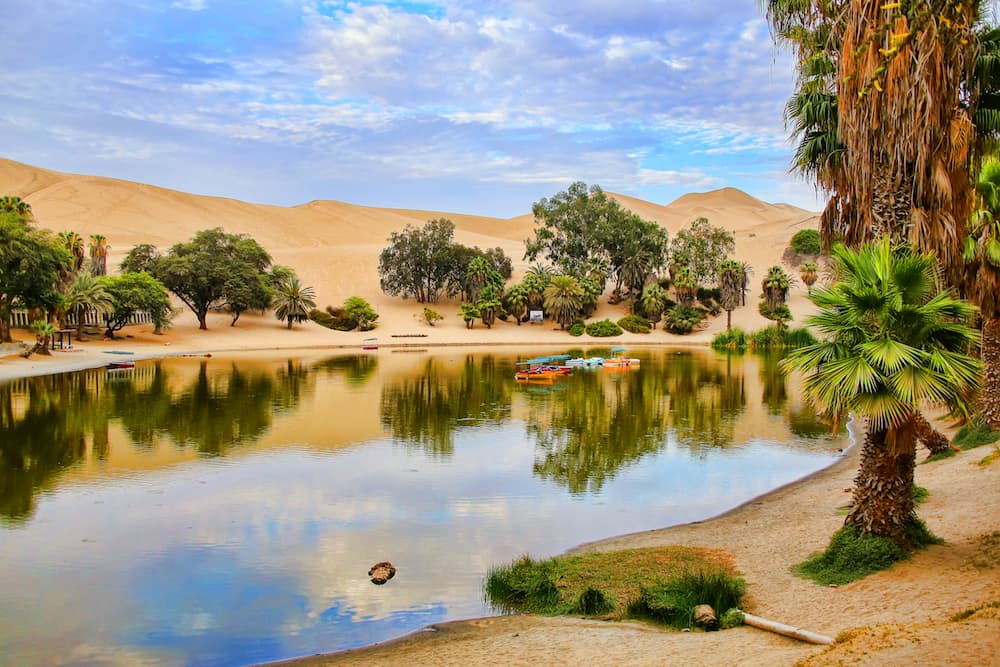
603,329
732,339
634,324
975,434
577,329
920,494
851,555
770,338
606,583
673,602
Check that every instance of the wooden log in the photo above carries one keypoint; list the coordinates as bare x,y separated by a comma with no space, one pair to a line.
786,630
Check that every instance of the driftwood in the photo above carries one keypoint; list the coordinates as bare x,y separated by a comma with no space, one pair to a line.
786,630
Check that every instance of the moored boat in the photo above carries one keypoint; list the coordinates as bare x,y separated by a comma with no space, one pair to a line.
619,360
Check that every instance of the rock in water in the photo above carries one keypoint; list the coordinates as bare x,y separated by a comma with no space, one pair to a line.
704,616
381,572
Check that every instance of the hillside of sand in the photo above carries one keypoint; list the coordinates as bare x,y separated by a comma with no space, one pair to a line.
334,246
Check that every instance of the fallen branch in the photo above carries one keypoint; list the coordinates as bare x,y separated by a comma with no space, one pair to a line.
786,630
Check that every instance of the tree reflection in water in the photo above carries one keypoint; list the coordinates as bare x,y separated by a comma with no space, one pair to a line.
47,423
425,409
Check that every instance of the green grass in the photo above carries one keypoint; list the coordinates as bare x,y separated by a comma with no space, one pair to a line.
851,556
616,583
672,602
940,456
769,338
920,495
975,434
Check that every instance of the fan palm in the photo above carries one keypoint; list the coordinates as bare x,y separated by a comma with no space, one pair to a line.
809,275
292,301
563,299
516,300
892,342
490,301
653,301
731,286
686,286
98,248
84,294
15,205
73,242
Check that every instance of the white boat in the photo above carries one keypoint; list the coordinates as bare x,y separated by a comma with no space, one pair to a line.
619,360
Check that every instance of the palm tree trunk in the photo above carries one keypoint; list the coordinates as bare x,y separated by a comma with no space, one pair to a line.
990,398
935,441
729,320
882,503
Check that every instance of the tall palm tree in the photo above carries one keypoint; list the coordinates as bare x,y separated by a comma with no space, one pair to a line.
731,286
490,301
775,287
98,248
535,281
982,250
653,300
86,293
73,242
892,342
634,271
563,299
292,301
685,286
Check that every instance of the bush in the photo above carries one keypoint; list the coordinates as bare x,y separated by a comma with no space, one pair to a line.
673,602
525,584
709,294
360,313
322,318
776,337
733,339
341,321
634,324
806,242
577,329
683,319
594,601
431,316
975,434
852,555
603,329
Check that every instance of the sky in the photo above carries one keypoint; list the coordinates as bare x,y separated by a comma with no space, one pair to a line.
469,106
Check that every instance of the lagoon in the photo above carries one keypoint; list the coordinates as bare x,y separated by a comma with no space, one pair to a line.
226,511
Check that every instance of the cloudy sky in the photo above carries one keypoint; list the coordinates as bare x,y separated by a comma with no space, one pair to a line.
475,106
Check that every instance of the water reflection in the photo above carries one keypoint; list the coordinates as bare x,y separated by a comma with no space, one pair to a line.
223,512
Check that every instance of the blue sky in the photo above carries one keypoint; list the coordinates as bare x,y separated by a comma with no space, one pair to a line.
465,106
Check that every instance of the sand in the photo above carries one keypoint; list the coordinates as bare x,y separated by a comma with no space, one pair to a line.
903,613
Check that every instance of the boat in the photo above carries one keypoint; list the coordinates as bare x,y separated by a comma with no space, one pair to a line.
369,344
619,360
585,362
551,366
120,366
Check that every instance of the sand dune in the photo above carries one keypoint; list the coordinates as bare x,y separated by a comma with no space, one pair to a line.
334,246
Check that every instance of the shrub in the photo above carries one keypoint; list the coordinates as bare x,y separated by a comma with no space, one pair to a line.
603,329
593,601
673,602
806,242
322,318
634,324
975,434
577,329
683,319
709,294
360,313
776,337
852,555
733,339
341,320
525,584
431,316
781,314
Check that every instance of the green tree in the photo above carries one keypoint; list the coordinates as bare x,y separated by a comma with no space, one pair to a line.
731,284
535,281
84,294
139,258
686,287
516,301
563,299
490,301
198,272
44,331
982,251
705,247
892,343
132,293
15,206
654,299
98,249
246,289
293,301
360,312
419,262
32,263
73,243
469,313
810,273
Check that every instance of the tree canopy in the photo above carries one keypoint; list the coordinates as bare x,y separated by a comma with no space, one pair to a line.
704,247
131,293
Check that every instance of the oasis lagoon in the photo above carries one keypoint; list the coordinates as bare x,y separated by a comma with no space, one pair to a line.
226,511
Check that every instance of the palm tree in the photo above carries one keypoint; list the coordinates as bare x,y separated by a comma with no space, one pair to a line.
810,273
73,242
745,272
84,294
490,301
653,300
516,300
292,301
982,251
15,205
535,281
44,331
892,343
731,285
775,287
98,248
563,299
685,286
469,313
634,271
